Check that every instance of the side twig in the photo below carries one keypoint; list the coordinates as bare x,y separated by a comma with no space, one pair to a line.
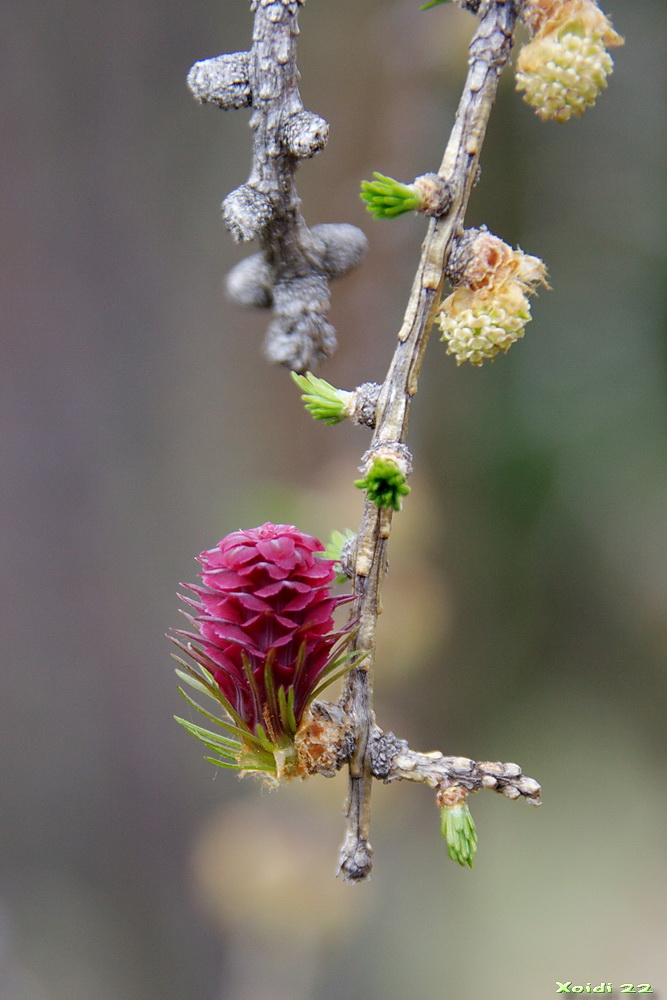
291,273
489,51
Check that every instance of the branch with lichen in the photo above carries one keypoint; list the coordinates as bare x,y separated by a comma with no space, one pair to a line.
291,273
262,635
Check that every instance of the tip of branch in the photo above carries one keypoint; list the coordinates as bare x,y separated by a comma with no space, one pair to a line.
357,866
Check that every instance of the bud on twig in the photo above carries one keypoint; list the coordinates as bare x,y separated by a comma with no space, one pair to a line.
457,825
386,198
224,81
322,400
386,470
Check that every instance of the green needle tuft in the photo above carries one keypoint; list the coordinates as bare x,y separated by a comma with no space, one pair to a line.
334,551
458,829
322,400
385,484
386,198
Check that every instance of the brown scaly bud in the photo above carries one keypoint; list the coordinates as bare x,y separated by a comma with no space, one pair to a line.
362,405
565,67
323,741
489,308
435,196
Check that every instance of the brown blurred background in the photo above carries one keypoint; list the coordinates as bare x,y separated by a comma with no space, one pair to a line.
526,607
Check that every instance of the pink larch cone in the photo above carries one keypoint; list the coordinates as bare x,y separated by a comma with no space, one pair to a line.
264,620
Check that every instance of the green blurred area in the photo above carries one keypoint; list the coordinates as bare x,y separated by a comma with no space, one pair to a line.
526,604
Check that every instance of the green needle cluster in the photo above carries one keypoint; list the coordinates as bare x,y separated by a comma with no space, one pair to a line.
458,829
334,550
433,3
385,484
322,400
386,198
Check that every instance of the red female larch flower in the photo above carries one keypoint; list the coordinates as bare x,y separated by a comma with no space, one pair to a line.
265,642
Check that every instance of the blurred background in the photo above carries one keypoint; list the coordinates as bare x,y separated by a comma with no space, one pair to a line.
526,607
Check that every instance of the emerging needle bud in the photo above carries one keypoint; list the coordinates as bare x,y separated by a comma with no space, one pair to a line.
457,825
387,198
386,470
322,400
